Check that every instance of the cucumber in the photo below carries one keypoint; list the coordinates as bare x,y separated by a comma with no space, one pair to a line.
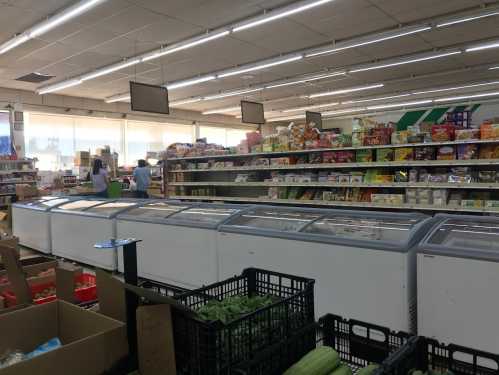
368,370
320,361
342,370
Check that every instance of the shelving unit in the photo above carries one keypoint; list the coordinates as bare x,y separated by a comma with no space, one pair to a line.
208,178
14,173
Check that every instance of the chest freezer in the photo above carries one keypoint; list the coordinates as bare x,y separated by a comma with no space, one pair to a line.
179,240
363,262
31,222
458,282
78,225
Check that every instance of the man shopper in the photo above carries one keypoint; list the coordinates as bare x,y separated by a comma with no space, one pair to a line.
142,178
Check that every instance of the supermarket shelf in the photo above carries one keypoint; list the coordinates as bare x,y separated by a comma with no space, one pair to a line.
7,194
297,152
18,171
11,182
489,186
389,164
336,203
19,161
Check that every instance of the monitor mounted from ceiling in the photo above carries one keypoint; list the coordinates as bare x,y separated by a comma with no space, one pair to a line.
252,113
149,98
314,117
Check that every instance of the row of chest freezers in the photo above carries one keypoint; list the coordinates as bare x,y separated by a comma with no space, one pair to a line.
437,275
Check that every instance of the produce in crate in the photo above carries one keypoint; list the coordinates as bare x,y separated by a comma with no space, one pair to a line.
234,307
320,361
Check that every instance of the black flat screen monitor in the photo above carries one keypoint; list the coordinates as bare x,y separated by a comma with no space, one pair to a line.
314,117
252,113
149,98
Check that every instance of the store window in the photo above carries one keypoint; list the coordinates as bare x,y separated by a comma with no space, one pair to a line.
213,135
235,136
5,146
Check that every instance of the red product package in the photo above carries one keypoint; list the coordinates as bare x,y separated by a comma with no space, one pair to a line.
442,133
328,157
344,156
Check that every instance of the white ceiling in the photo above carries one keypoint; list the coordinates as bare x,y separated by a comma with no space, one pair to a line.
123,28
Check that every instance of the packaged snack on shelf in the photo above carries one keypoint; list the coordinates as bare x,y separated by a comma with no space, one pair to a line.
290,177
302,159
345,140
384,178
399,137
280,161
218,164
423,175
357,138
315,158
283,193
384,154
416,138
328,157
203,165
370,175
294,193
404,153
461,175
467,152
425,196
323,176
344,178
480,195
344,156
228,164
472,203
442,133
487,176
262,161
242,147
425,127
489,131
256,149
326,195
307,177
357,178
440,197
489,152
438,177
413,175
273,193
424,153
308,194
446,153
455,199
492,204
394,199
325,139
467,134
401,176
253,138
411,196
364,156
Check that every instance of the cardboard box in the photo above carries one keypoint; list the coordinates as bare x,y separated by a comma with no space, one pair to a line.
92,343
26,191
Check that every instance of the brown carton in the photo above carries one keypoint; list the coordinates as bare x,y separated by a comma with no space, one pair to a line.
91,343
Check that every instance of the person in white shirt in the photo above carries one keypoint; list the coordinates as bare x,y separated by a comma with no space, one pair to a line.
100,179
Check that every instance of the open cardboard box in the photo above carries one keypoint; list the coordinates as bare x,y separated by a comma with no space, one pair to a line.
92,343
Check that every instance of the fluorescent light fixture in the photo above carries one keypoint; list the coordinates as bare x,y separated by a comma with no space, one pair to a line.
465,97
276,14
482,47
396,105
59,86
343,111
110,69
305,80
305,108
232,93
359,42
259,66
494,67
468,18
186,101
221,110
285,118
185,45
118,98
403,62
456,88
41,28
345,91
376,99
190,82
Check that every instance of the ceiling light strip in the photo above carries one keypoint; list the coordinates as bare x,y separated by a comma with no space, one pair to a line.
315,106
60,86
455,88
222,110
50,23
253,67
277,14
474,17
346,91
481,47
466,97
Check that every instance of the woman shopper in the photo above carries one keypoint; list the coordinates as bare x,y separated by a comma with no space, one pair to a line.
142,178
100,179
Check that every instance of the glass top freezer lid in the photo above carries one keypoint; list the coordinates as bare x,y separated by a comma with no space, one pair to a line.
388,230
52,202
80,205
471,235
204,215
156,210
274,218
111,207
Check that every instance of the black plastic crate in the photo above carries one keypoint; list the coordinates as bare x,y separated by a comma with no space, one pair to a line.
206,348
358,344
424,354
165,290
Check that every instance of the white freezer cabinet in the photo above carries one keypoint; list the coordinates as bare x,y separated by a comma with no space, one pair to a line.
458,282
78,225
31,222
179,240
364,263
